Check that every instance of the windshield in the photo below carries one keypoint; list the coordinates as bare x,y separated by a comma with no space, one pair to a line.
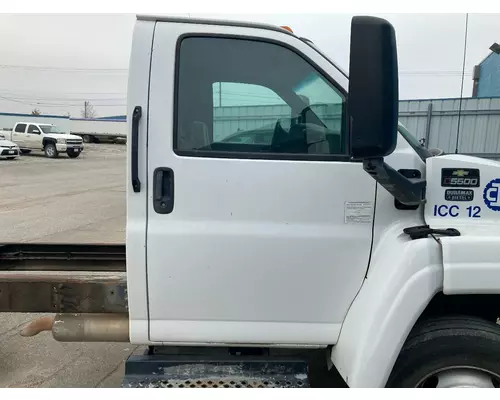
50,129
423,152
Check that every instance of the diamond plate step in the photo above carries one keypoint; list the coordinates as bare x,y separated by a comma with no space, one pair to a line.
159,371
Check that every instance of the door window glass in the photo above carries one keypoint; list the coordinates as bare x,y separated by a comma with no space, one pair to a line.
32,129
244,96
20,128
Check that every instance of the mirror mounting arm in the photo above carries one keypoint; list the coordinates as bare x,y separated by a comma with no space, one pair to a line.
407,191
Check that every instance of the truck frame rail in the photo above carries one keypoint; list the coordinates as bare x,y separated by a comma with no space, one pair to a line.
63,278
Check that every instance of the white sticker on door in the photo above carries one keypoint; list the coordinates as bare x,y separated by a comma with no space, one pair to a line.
358,212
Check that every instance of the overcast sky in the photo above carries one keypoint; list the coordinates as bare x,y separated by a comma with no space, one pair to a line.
45,59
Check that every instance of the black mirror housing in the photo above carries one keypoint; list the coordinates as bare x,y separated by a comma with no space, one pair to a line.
373,106
373,88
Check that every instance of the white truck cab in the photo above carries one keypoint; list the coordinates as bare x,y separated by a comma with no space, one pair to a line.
46,137
325,228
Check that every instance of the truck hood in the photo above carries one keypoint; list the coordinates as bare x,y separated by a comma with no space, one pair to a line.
463,192
63,136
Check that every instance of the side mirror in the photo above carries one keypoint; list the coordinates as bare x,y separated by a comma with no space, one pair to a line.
373,106
373,88
36,131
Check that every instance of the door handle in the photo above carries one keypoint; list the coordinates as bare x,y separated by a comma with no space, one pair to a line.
163,190
136,117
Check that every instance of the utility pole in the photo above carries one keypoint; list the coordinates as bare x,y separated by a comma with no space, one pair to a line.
88,111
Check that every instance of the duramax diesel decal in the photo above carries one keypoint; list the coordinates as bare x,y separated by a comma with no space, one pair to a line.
459,195
460,177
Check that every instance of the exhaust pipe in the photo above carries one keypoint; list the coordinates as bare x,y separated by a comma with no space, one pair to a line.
82,327
38,325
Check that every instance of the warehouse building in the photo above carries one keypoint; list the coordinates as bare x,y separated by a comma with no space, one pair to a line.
486,75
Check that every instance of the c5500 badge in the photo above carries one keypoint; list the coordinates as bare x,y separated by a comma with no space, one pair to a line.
463,177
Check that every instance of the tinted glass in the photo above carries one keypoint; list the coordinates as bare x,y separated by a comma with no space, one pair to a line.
21,128
247,96
32,128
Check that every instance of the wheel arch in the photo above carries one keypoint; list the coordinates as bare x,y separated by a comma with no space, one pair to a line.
48,140
485,306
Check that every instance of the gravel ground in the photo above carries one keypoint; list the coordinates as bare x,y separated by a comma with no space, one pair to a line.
61,200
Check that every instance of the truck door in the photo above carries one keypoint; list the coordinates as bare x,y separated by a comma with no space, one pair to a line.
259,225
33,137
19,135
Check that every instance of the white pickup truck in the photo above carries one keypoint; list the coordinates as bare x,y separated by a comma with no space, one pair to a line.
46,137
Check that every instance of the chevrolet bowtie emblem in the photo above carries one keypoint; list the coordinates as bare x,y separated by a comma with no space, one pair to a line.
460,172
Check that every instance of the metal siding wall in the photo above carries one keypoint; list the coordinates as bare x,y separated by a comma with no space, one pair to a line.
412,114
479,125
227,120
443,132
479,122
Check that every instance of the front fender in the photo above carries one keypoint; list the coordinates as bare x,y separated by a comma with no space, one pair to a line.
404,276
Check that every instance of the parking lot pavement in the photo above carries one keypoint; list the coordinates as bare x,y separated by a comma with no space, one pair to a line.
61,200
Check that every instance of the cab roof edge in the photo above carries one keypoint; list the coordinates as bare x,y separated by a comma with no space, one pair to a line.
243,24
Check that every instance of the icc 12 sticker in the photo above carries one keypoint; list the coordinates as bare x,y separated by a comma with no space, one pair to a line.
491,198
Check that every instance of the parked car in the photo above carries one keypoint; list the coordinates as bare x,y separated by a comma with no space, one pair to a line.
8,149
